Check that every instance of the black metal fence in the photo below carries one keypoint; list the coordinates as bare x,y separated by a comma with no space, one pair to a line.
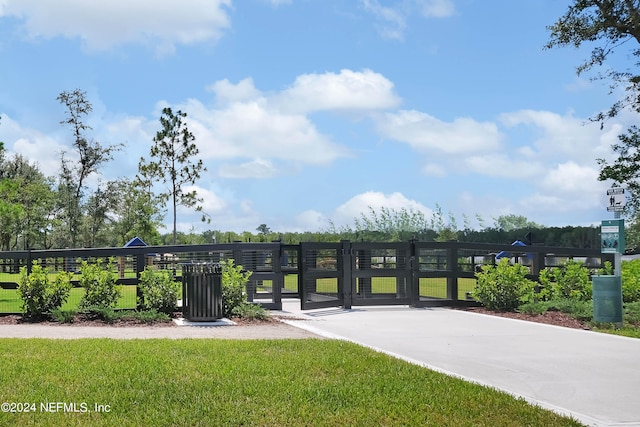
320,274
414,273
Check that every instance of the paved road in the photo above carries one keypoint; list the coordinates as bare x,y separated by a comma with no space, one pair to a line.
591,376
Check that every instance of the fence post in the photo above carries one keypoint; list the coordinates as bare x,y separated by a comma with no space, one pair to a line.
452,279
536,265
29,261
347,279
414,279
140,264
278,282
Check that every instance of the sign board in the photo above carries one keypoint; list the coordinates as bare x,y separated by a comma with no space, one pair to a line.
616,199
612,236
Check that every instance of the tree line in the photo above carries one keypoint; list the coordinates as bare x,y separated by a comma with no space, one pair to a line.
44,212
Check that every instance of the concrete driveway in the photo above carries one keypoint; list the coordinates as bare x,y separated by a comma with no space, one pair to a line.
591,376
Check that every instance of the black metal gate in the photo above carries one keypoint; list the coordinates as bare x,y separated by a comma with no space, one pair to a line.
347,274
322,272
381,273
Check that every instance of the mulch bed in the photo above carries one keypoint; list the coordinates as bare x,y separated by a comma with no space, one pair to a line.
81,320
556,318
551,317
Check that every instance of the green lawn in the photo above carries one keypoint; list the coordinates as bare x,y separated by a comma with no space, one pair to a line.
233,382
10,301
434,288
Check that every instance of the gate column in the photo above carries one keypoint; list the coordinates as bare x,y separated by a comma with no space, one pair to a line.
347,279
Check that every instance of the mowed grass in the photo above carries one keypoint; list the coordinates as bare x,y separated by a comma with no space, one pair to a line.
234,382
429,287
10,301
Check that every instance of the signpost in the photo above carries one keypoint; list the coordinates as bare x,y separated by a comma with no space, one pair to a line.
607,290
616,200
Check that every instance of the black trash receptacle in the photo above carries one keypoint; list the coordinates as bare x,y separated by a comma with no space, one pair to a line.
202,291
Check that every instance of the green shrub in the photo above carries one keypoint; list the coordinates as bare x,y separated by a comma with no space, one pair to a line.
106,314
145,316
251,311
41,296
63,316
234,285
534,308
100,285
569,281
630,271
503,287
581,310
632,312
159,290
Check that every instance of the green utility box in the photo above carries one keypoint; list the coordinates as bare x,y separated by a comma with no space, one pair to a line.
607,298
202,292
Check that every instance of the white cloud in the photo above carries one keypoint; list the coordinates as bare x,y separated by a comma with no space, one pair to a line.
570,178
103,25
309,220
426,133
391,22
501,165
258,168
44,150
278,2
252,129
436,8
563,136
359,204
228,93
349,90
211,203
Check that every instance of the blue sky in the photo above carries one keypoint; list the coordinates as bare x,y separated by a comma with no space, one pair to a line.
307,111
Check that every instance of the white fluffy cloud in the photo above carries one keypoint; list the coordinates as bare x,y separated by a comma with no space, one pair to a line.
257,168
426,133
501,165
247,124
103,25
39,148
360,204
251,129
345,91
558,135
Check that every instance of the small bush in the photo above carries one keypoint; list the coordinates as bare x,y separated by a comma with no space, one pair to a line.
632,312
234,285
41,296
100,285
581,310
630,271
569,281
63,316
533,308
503,287
106,314
251,311
146,316
159,290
